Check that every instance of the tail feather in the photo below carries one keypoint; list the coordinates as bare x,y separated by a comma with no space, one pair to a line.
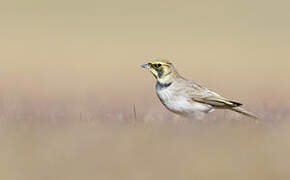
245,112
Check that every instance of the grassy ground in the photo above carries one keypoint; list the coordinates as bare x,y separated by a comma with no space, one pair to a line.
68,141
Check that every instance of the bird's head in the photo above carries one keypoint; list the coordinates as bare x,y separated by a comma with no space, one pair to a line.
163,71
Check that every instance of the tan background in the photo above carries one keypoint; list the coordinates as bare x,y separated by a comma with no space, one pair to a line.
239,48
70,74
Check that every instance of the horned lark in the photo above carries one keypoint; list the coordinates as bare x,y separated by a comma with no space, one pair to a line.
187,97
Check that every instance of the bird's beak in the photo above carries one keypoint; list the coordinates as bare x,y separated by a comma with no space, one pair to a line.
146,66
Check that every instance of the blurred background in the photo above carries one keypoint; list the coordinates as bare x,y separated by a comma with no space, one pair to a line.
68,67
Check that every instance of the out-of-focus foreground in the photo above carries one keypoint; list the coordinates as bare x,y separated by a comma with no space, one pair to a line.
68,142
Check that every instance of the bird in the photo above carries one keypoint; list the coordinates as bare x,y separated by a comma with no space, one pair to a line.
187,97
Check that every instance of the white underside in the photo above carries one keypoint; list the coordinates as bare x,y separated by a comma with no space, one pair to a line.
183,105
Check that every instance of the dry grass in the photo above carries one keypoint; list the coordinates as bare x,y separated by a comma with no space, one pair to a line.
73,141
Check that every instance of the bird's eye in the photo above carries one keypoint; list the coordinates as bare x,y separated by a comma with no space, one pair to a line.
158,65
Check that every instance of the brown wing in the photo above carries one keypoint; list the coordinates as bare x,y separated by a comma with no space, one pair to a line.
216,101
201,94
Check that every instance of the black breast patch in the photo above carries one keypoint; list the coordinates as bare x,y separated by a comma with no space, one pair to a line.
160,86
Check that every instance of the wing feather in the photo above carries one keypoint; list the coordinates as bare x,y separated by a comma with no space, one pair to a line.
201,94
